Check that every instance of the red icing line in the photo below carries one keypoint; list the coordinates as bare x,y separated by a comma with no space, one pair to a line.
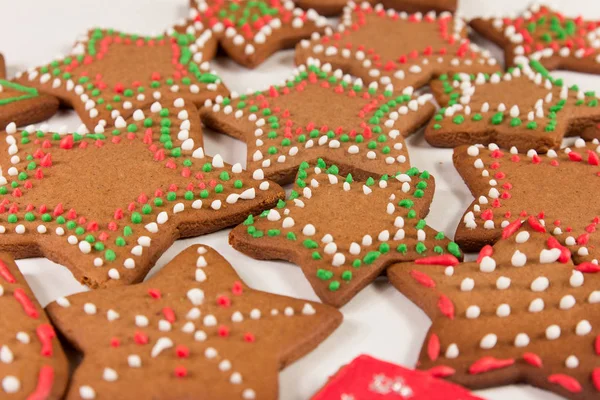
433,347
588,267
596,378
565,254
26,303
422,278
446,306
169,314
511,229
533,359
45,334
487,364
442,371
486,251
569,383
536,225
446,260
5,273
44,385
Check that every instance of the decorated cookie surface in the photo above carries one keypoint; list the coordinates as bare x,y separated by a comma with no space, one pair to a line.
22,105
382,45
335,7
195,328
525,107
321,113
556,187
522,312
110,74
367,378
108,204
249,31
32,363
343,232
545,35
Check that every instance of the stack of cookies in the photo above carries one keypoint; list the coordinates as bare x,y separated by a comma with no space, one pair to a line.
328,185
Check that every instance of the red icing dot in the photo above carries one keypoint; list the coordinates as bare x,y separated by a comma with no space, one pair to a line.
223,331
115,342
224,301
154,293
249,337
237,288
180,372
140,338
182,351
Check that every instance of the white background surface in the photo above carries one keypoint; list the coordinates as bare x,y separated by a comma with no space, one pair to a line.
379,321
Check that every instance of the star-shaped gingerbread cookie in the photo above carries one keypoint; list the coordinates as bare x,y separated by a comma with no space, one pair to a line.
343,232
32,363
521,313
368,378
372,43
108,204
547,36
110,74
320,113
249,31
556,186
22,105
192,331
335,7
525,107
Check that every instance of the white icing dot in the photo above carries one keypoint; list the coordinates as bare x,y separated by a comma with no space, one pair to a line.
89,308
536,305
522,237
473,312
583,328
86,392
522,340
572,362
503,283
540,284
452,351
11,384
467,285
567,302
503,310
488,341
487,264
553,332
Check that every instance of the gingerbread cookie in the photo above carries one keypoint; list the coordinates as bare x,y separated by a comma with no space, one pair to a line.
22,105
32,363
195,329
547,36
526,108
367,378
152,184
344,232
521,313
371,43
320,113
556,186
97,79
335,7
249,31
